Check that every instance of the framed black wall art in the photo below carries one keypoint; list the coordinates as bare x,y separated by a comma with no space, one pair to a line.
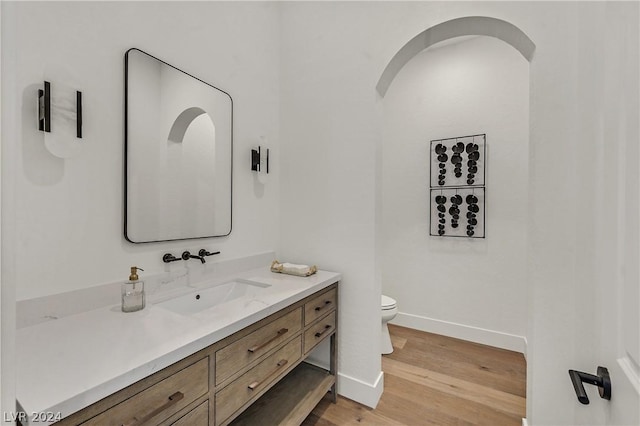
457,186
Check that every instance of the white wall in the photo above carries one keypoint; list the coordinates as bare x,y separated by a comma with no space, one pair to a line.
69,213
622,110
469,288
328,152
7,298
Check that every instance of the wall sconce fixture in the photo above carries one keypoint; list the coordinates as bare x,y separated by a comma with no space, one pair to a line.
63,108
255,159
59,114
260,160
44,108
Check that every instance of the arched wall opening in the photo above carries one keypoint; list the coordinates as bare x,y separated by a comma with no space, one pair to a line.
459,27
474,289
410,244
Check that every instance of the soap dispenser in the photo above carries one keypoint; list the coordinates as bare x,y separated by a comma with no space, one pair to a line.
133,292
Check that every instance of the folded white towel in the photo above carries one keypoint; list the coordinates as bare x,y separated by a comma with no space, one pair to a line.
293,269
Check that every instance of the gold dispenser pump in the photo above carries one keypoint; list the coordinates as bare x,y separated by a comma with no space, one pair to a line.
134,273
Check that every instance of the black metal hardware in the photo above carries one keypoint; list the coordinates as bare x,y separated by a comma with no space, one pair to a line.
320,333
326,302
79,114
602,381
168,257
255,160
256,156
186,256
204,252
44,108
458,187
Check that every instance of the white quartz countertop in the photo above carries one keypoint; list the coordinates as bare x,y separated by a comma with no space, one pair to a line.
66,364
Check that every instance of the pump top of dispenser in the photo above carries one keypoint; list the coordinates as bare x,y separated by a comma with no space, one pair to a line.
134,273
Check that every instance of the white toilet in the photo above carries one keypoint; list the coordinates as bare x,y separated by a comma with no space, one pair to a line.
389,311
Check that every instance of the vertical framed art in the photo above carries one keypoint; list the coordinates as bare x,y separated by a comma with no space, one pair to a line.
457,186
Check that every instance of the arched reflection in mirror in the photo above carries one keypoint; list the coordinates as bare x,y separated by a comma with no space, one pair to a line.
182,123
189,171
178,150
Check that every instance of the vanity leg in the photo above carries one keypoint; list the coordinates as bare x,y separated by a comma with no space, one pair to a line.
333,365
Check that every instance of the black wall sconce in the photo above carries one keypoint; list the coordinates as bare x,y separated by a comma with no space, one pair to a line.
44,110
256,160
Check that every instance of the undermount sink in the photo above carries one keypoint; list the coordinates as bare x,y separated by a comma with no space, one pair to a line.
209,297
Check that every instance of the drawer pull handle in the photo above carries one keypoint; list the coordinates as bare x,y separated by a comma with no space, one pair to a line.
280,332
320,333
173,399
326,303
280,364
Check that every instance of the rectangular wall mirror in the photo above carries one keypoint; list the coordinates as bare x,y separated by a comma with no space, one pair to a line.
178,153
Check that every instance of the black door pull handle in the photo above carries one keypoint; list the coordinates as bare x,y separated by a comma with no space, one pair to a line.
602,381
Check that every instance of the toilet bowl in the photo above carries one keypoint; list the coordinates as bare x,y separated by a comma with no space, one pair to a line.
389,311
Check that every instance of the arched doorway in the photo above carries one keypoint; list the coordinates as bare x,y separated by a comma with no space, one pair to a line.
415,242
466,26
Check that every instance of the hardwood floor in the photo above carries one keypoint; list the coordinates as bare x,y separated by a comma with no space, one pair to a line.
436,380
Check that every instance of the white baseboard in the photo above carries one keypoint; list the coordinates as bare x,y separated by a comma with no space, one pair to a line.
524,422
465,332
365,393
354,389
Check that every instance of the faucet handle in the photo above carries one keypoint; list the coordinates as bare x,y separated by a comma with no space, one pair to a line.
186,255
204,252
168,257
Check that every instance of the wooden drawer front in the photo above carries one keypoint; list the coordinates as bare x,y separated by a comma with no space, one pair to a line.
199,416
247,386
319,306
318,332
160,401
243,352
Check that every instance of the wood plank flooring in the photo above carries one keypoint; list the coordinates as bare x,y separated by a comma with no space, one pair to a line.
436,380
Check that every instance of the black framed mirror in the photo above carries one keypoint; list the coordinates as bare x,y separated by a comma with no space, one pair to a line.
178,153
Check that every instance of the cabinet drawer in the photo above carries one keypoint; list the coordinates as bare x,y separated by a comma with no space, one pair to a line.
251,383
319,306
243,352
199,416
319,331
160,401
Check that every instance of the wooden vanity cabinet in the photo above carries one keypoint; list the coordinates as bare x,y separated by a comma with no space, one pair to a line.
256,376
164,398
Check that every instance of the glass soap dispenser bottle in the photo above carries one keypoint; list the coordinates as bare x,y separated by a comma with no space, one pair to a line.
133,292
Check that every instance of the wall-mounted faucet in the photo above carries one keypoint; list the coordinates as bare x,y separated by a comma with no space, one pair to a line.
186,256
